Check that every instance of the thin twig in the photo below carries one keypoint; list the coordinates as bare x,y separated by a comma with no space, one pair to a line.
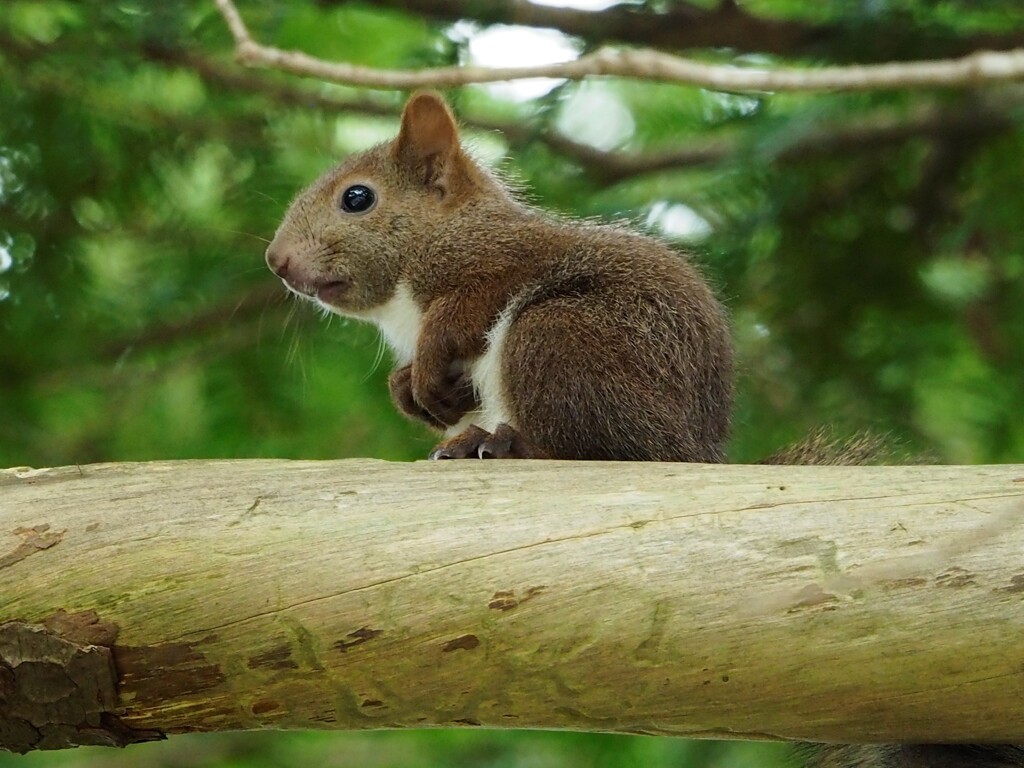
234,21
609,167
969,71
602,166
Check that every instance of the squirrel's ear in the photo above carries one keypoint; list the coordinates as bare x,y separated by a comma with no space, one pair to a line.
429,139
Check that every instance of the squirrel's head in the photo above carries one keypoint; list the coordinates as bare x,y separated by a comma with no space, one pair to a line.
346,240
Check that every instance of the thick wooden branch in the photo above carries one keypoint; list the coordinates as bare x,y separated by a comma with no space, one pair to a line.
970,71
812,603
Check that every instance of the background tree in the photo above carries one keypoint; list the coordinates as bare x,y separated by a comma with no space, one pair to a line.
867,244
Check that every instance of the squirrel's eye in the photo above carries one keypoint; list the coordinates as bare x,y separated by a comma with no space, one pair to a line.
358,198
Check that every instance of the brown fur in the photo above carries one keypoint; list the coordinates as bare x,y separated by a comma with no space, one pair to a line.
824,447
617,349
912,756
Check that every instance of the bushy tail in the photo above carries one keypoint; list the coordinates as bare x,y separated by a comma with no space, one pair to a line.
824,447
911,756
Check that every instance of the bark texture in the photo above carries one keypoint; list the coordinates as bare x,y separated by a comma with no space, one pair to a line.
57,685
843,604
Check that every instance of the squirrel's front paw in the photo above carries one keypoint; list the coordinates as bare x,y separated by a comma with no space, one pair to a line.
400,386
446,398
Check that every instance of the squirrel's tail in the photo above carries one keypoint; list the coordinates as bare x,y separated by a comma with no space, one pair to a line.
911,756
824,447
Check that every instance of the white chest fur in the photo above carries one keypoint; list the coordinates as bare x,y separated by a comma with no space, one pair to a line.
487,378
399,320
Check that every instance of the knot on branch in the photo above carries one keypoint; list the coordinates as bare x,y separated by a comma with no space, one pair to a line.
58,685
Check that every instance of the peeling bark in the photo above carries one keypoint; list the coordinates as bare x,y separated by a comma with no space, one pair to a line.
33,540
57,688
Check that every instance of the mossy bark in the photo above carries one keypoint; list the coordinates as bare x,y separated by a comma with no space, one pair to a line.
813,603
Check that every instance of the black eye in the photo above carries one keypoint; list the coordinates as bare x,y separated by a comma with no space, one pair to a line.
358,198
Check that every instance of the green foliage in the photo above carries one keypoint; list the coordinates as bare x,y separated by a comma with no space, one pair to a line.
419,749
874,284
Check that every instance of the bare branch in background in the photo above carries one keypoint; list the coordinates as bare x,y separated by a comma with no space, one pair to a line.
969,71
602,166
683,26
609,167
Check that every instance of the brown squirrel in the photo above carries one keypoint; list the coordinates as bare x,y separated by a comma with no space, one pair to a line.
518,333
523,335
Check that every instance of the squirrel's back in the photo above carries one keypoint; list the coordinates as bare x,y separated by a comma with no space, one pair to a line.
631,343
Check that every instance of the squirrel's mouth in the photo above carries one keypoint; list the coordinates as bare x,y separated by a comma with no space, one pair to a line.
332,292
329,292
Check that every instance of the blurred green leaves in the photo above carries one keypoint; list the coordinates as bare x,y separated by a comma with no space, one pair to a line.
419,749
42,22
137,189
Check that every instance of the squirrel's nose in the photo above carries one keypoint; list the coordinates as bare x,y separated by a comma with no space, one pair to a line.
277,260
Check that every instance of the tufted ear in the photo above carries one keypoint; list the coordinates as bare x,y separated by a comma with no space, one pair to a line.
428,142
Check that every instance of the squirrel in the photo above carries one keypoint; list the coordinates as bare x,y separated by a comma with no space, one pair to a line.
522,335
516,333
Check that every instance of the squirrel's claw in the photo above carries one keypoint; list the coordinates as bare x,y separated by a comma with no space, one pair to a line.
476,443
462,446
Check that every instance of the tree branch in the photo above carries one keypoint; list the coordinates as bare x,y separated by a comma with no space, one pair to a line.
680,26
603,166
969,71
658,598
827,139
611,167
683,26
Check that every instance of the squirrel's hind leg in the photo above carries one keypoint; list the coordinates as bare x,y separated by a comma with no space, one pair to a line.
476,443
